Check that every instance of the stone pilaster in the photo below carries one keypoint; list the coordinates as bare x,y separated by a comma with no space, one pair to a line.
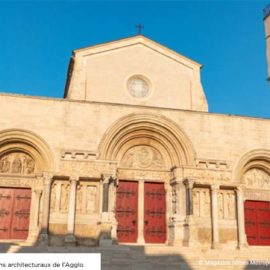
34,218
242,239
47,181
214,218
177,220
70,238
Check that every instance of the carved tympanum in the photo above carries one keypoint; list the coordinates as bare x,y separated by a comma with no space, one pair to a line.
17,163
257,178
142,157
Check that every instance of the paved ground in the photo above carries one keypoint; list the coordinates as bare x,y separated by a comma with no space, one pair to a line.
161,258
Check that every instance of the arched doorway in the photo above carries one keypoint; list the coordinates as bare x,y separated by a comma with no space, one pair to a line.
254,174
23,157
146,147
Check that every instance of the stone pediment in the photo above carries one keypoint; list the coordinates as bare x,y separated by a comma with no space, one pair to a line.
135,71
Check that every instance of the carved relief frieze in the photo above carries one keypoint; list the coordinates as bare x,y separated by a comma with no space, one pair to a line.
17,163
87,168
207,176
257,195
201,202
142,157
257,178
226,204
19,182
143,174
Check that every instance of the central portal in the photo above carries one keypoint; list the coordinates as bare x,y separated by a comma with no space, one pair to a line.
153,212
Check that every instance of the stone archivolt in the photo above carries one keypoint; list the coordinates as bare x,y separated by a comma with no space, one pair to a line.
156,131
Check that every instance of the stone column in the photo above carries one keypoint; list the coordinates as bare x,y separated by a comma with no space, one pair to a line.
190,229
189,186
70,238
214,211
141,213
108,221
242,239
47,180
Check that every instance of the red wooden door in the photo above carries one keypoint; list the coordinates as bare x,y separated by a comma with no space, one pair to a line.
6,205
154,213
251,222
263,214
14,213
127,211
257,222
21,214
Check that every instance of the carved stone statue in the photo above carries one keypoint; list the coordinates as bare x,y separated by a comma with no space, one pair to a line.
64,197
91,199
29,165
4,164
17,165
53,197
79,204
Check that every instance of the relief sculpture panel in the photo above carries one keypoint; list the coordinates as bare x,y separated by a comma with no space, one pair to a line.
17,163
86,199
226,204
143,157
201,202
64,199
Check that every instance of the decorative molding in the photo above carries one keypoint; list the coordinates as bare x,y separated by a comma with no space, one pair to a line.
213,164
79,155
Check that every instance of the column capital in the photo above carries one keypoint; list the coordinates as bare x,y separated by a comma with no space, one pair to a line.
47,178
214,187
73,178
189,182
177,173
38,192
239,188
109,178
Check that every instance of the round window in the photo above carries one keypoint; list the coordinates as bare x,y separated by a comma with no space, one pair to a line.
138,87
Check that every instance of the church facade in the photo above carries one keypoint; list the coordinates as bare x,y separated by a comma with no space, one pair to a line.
131,155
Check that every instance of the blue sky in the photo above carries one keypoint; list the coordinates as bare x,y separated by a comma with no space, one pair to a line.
227,37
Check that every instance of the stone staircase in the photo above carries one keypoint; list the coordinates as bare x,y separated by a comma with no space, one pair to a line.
154,257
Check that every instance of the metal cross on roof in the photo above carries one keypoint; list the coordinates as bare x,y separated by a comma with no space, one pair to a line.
139,27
